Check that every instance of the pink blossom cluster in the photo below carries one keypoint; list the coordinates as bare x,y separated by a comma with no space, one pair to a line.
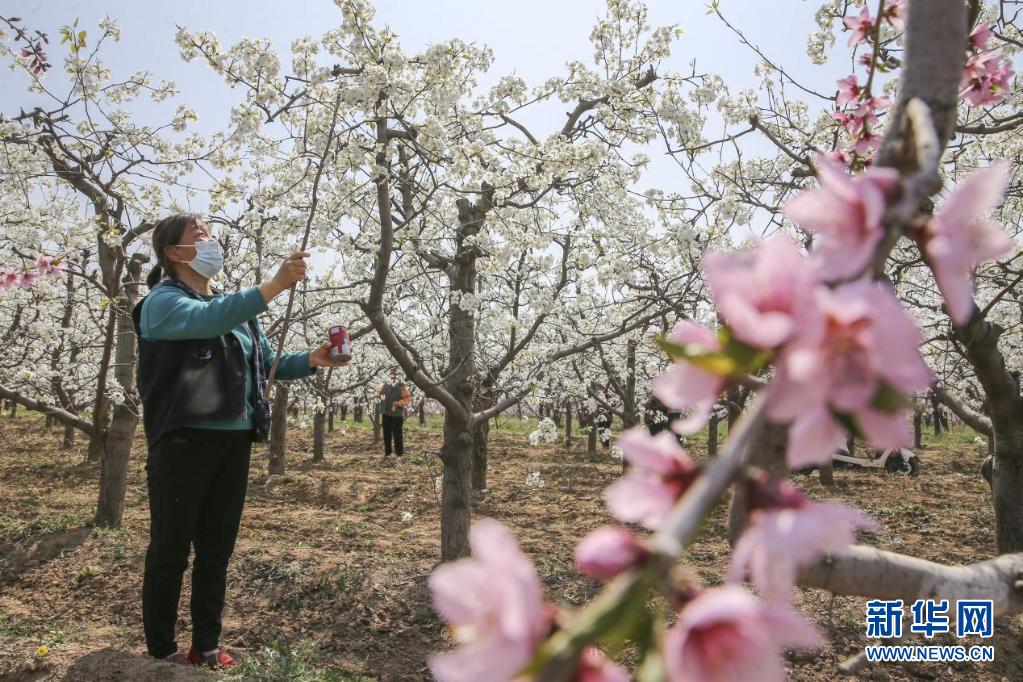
987,76
845,353
858,111
45,266
494,604
863,25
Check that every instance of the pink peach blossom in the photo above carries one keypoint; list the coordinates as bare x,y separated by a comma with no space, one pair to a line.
763,294
780,540
594,666
866,144
47,267
861,27
608,551
863,342
726,635
959,237
28,278
685,386
987,78
895,13
840,157
847,212
494,604
11,278
848,91
661,473
980,36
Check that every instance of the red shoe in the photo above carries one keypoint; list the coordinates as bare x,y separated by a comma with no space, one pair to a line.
221,659
179,659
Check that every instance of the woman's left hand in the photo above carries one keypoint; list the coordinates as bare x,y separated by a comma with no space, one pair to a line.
321,357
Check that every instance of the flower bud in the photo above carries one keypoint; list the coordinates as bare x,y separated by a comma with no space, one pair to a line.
608,551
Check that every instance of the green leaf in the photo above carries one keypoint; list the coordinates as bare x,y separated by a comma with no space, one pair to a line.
734,360
81,39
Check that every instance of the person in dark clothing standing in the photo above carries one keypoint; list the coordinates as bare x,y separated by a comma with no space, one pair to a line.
392,407
203,362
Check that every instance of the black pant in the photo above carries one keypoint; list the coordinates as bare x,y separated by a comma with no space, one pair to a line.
197,480
393,427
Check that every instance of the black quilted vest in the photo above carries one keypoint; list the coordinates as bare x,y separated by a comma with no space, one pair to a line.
182,382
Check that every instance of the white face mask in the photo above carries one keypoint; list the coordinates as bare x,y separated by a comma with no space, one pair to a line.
209,259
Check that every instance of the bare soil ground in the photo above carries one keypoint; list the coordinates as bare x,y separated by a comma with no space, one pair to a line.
328,582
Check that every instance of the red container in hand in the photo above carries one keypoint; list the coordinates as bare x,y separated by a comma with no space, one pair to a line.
340,345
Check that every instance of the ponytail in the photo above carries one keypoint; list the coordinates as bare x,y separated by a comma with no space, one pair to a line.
155,275
167,232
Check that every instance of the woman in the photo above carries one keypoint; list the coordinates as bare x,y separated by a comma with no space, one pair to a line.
202,369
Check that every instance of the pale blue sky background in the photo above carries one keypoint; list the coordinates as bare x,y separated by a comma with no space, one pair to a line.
532,38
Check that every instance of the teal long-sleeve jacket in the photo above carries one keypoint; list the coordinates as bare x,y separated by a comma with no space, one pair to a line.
169,314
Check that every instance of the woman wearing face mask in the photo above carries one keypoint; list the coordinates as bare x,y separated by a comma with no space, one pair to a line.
203,362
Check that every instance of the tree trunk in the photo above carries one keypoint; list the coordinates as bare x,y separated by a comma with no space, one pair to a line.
712,434
918,429
457,451
48,422
319,422
378,423
480,455
769,455
935,411
456,510
591,438
117,440
568,424
278,429
69,437
827,474
357,413
330,420
344,412
422,412
101,405
1006,484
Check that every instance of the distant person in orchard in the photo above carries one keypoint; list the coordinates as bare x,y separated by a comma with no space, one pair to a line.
395,399
202,368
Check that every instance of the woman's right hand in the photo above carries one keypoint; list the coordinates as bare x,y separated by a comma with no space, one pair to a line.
291,272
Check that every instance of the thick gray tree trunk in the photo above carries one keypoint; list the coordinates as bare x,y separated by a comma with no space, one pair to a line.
118,438
278,429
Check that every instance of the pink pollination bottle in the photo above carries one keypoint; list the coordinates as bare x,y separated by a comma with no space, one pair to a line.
340,345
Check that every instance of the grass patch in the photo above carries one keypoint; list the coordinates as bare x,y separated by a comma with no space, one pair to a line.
14,529
282,662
